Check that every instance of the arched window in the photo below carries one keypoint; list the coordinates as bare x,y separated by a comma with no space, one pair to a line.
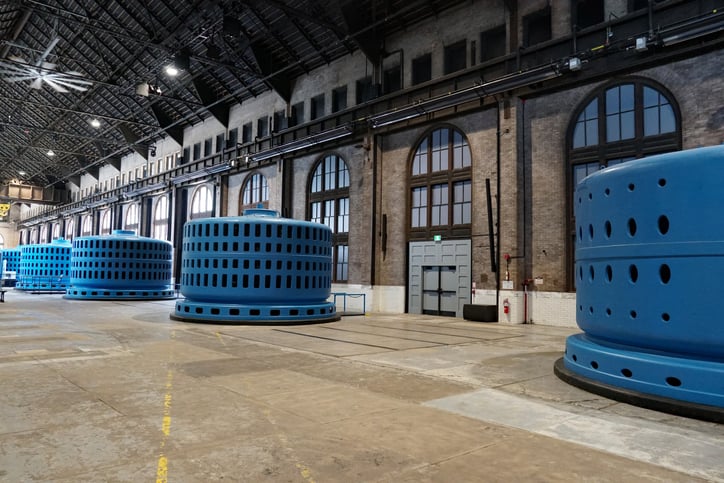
441,193
202,203
329,205
56,231
106,222
254,192
87,226
69,229
619,122
43,234
131,221
33,236
160,219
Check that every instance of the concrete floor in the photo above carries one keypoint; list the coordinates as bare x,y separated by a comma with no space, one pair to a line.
116,391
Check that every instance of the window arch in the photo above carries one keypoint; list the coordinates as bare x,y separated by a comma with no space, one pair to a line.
106,222
329,205
87,226
160,219
34,236
441,185
43,234
56,231
622,120
254,192
131,221
202,203
69,229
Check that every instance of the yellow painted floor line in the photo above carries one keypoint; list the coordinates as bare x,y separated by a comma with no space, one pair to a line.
162,467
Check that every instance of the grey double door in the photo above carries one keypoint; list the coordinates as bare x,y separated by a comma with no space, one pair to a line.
439,277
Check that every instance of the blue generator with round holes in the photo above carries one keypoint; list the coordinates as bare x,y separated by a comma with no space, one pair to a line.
120,266
257,268
9,265
649,280
44,267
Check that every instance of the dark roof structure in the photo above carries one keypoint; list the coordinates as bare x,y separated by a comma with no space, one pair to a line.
65,63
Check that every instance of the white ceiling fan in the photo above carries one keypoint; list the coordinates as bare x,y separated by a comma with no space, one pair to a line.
17,69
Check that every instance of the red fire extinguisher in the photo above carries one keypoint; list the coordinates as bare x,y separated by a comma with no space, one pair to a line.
506,306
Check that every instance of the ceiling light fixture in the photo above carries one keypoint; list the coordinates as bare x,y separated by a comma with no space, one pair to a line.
95,123
22,173
50,152
178,63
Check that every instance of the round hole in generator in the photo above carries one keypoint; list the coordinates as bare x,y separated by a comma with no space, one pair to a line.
580,233
626,372
580,272
590,232
673,381
633,314
607,191
631,227
591,273
608,312
594,364
663,224
590,310
633,273
609,273
665,273
662,182
665,317
574,357
631,186
608,229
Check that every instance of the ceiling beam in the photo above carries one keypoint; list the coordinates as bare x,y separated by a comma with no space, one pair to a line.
167,124
270,64
208,97
132,139
357,20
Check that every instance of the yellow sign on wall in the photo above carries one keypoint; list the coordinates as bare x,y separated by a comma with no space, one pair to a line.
4,210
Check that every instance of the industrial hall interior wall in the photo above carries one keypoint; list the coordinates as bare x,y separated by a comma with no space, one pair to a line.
531,144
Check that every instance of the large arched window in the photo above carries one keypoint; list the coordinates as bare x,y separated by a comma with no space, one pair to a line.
56,231
329,205
86,228
131,221
69,229
621,121
160,219
441,186
43,234
106,222
254,192
202,203
34,236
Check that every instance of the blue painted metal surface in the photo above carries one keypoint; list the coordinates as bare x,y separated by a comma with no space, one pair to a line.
120,266
44,267
10,262
649,265
256,268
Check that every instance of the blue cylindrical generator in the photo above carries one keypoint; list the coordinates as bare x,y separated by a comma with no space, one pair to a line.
256,268
649,260
120,266
44,267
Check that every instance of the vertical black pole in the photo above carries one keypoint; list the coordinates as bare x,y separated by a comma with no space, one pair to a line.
491,232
